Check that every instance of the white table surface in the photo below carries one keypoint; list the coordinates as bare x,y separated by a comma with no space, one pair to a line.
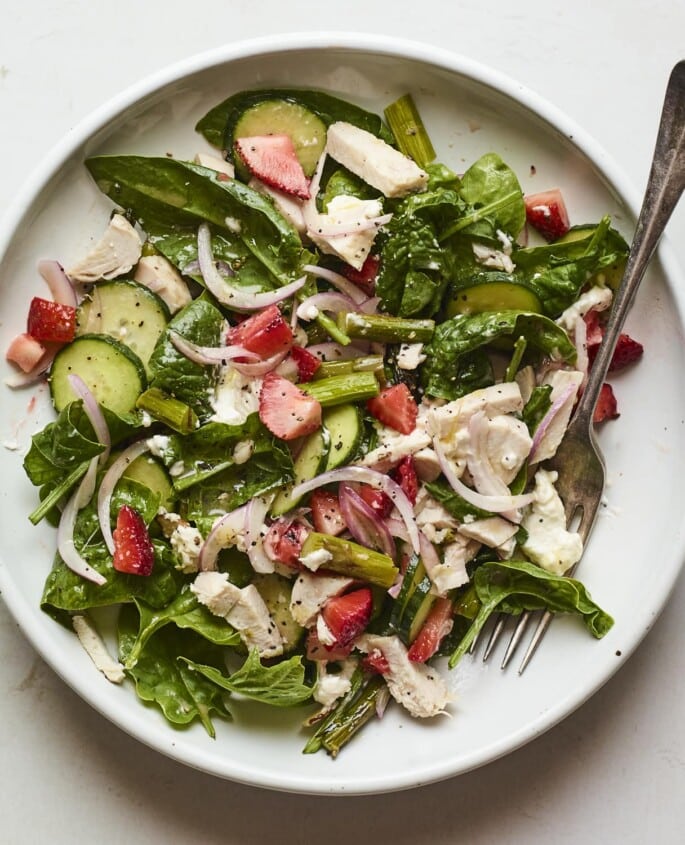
612,772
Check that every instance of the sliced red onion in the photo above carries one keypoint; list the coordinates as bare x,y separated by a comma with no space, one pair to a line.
580,342
370,305
237,298
396,588
222,535
345,230
65,531
288,369
382,700
109,482
378,481
310,212
364,523
428,553
327,301
494,504
255,514
554,409
94,414
210,355
262,367
344,285
335,352
59,283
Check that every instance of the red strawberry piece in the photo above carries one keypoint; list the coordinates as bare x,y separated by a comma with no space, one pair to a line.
316,650
283,542
405,475
326,514
307,364
346,616
265,333
593,330
286,410
51,321
272,158
25,351
437,626
379,501
547,213
375,661
606,407
627,351
133,550
366,277
395,407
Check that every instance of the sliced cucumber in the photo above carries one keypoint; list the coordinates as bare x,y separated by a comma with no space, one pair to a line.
284,117
128,312
149,471
310,462
345,426
276,591
494,296
112,372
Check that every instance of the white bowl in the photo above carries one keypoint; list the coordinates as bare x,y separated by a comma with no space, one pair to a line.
637,548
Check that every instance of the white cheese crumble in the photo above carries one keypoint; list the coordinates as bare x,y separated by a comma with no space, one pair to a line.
316,559
549,544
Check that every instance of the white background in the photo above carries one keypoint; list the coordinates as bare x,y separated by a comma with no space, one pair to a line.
612,772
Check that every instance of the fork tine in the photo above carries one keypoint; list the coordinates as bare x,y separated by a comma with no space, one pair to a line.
495,635
519,631
536,639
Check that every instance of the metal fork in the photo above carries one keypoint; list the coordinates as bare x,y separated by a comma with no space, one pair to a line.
578,460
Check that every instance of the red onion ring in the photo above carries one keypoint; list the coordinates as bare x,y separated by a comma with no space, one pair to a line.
65,531
378,481
554,409
220,537
344,285
94,414
237,298
327,301
262,367
60,285
109,482
210,355
363,522
255,512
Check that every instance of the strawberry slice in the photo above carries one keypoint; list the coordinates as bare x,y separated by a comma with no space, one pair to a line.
395,407
286,410
133,550
606,407
326,514
366,277
405,475
51,321
272,159
307,364
379,501
437,626
547,213
375,662
348,615
283,542
25,351
593,330
265,333
627,351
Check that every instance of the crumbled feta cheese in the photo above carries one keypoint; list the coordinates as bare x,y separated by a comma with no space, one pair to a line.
96,649
348,212
410,356
158,444
508,443
115,253
323,632
505,240
451,572
596,299
186,541
549,544
233,225
332,686
494,258
316,559
243,451
176,469
236,397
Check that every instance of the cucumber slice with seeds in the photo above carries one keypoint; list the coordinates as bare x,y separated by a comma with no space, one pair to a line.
345,426
494,296
149,471
112,372
310,462
284,117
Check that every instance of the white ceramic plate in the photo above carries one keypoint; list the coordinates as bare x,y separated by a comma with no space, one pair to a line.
637,547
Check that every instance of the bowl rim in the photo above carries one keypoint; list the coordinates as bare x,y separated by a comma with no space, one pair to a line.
24,613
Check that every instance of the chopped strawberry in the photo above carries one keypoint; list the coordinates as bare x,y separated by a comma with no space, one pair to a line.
133,550
316,650
286,410
51,321
395,407
437,626
547,213
366,277
379,501
346,616
326,514
307,364
283,542
375,661
272,158
593,329
606,407
265,333
25,351
405,475
627,351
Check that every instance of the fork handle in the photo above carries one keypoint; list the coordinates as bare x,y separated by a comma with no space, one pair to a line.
664,188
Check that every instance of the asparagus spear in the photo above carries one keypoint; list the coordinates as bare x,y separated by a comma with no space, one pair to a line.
339,389
384,328
409,131
351,559
174,413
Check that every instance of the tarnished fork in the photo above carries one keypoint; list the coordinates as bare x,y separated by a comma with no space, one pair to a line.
578,460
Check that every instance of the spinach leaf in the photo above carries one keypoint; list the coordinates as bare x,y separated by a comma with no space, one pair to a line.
537,406
344,183
218,124
162,679
173,373
455,504
466,333
513,586
440,176
281,685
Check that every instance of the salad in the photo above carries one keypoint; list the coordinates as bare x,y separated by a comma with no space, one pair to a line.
305,387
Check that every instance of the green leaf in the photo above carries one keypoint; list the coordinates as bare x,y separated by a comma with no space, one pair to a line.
457,506
537,406
513,586
281,685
